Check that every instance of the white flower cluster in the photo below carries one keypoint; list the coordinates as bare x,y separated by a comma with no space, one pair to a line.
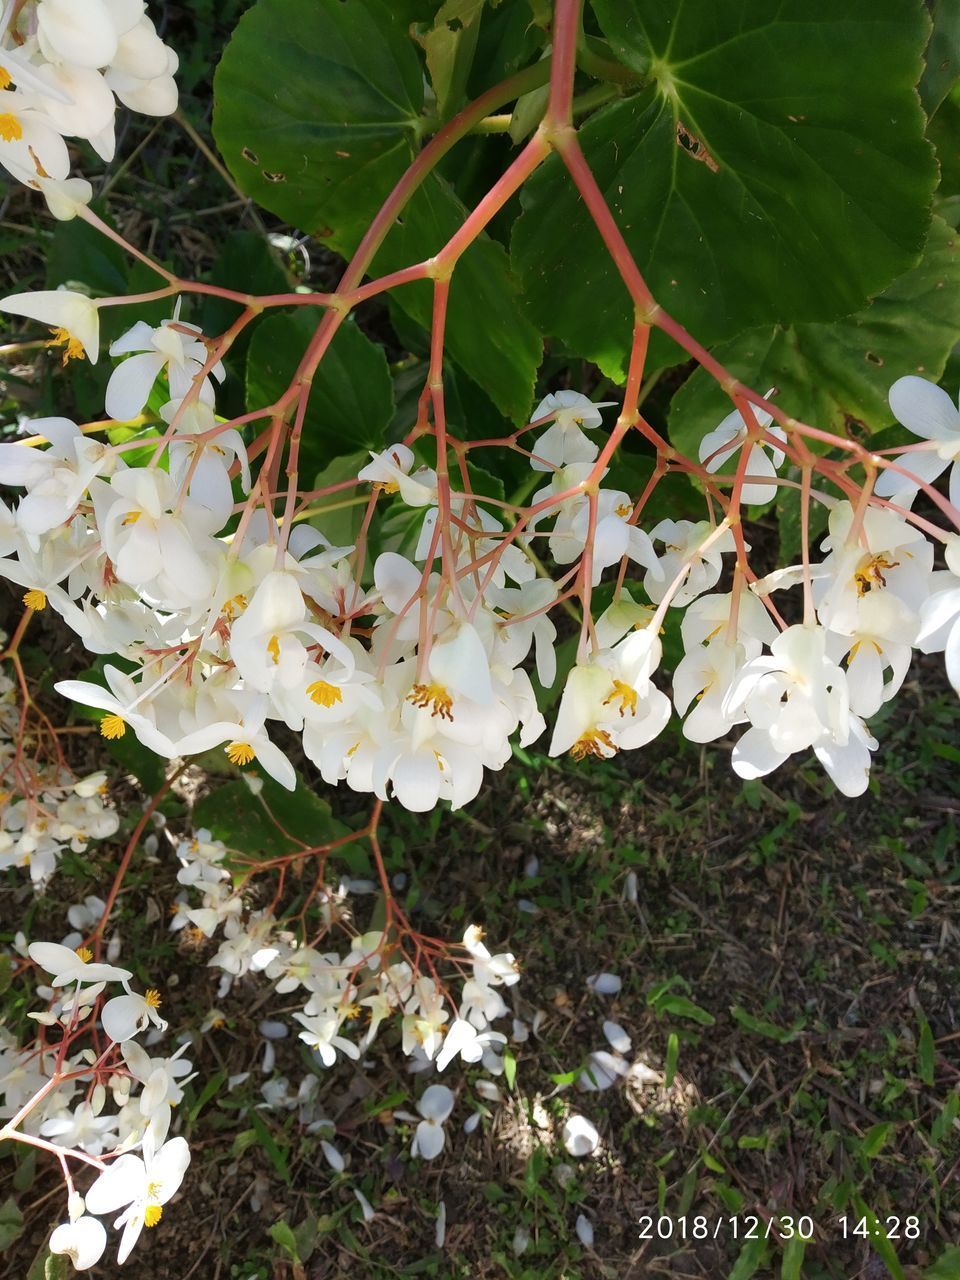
44,808
63,66
230,617
370,977
109,1108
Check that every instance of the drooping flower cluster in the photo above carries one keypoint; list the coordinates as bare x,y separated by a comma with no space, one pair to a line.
231,617
44,808
371,977
109,1106
64,65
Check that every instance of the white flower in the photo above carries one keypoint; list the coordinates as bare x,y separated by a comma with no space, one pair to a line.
73,317
929,412
77,31
465,1041
71,966
390,471
721,444
125,1016
30,147
685,553
173,345
563,441
580,1137
141,1187
82,1241
435,1106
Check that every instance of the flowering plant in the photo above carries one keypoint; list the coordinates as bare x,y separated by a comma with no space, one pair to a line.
379,570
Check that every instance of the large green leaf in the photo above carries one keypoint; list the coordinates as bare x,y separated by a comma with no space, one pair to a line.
315,111
832,375
487,333
747,186
316,115
351,399
244,823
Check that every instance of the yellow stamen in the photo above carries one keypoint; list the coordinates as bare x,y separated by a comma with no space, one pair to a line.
433,696
5,78
235,605
85,954
623,510
131,517
870,575
351,1012
626,695
387,486
72,347
324,694
595,742
113,726
35,599
240,753
152,998
152,1215
11,130
273,648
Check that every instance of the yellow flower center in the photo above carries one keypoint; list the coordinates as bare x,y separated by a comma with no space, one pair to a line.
273,648
72,347
11,130
387,486
131,517
5,78
235,605
870,575
324,694
85,954
152,1214
35,599
240,753
351,1012
623,510
152,998
433,696
625,695
113,726
595,742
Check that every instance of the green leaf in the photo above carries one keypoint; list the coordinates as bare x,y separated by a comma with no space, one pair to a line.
748,1259
509,1068
351,398
80,254
247,263
315,111
792,1266
946,1267
879,1240
275,1153
11,1223
926,1051
244,823
450,46
672,1059
340,515
56,1267
487,333
282,1234
830,374
743,185
681,1007
761,1027
875,1139
942,63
